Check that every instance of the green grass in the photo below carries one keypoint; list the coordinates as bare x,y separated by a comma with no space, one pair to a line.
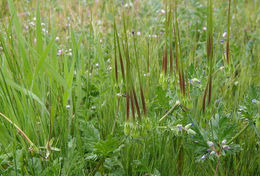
110,87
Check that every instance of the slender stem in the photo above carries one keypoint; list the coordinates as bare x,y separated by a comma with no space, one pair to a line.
238,134
216,170
20,131
98,165
228,33
172,108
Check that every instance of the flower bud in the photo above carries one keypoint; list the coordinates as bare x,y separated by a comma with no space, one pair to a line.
226,147
210,144
127,128
188,126
191,132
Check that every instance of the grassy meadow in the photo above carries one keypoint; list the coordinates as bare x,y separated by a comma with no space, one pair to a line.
130,87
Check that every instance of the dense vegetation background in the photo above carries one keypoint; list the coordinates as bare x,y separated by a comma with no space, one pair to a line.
131,87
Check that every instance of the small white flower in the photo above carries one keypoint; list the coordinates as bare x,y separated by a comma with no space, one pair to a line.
128,5
224,142
212,153
154,36
99,22
43,24
138,33
224,34
34,18
32,23
204,28
70,53
203,157
67,106
163,11
45,31
210,144
57,38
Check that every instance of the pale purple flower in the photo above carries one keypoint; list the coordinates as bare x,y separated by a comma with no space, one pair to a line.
204,28
255,101
226,147
179,127
59,52
194,80
138,33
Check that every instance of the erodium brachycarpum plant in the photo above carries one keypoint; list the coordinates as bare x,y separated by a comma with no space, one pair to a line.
131,69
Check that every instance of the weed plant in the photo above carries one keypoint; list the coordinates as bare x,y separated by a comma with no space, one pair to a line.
111,87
